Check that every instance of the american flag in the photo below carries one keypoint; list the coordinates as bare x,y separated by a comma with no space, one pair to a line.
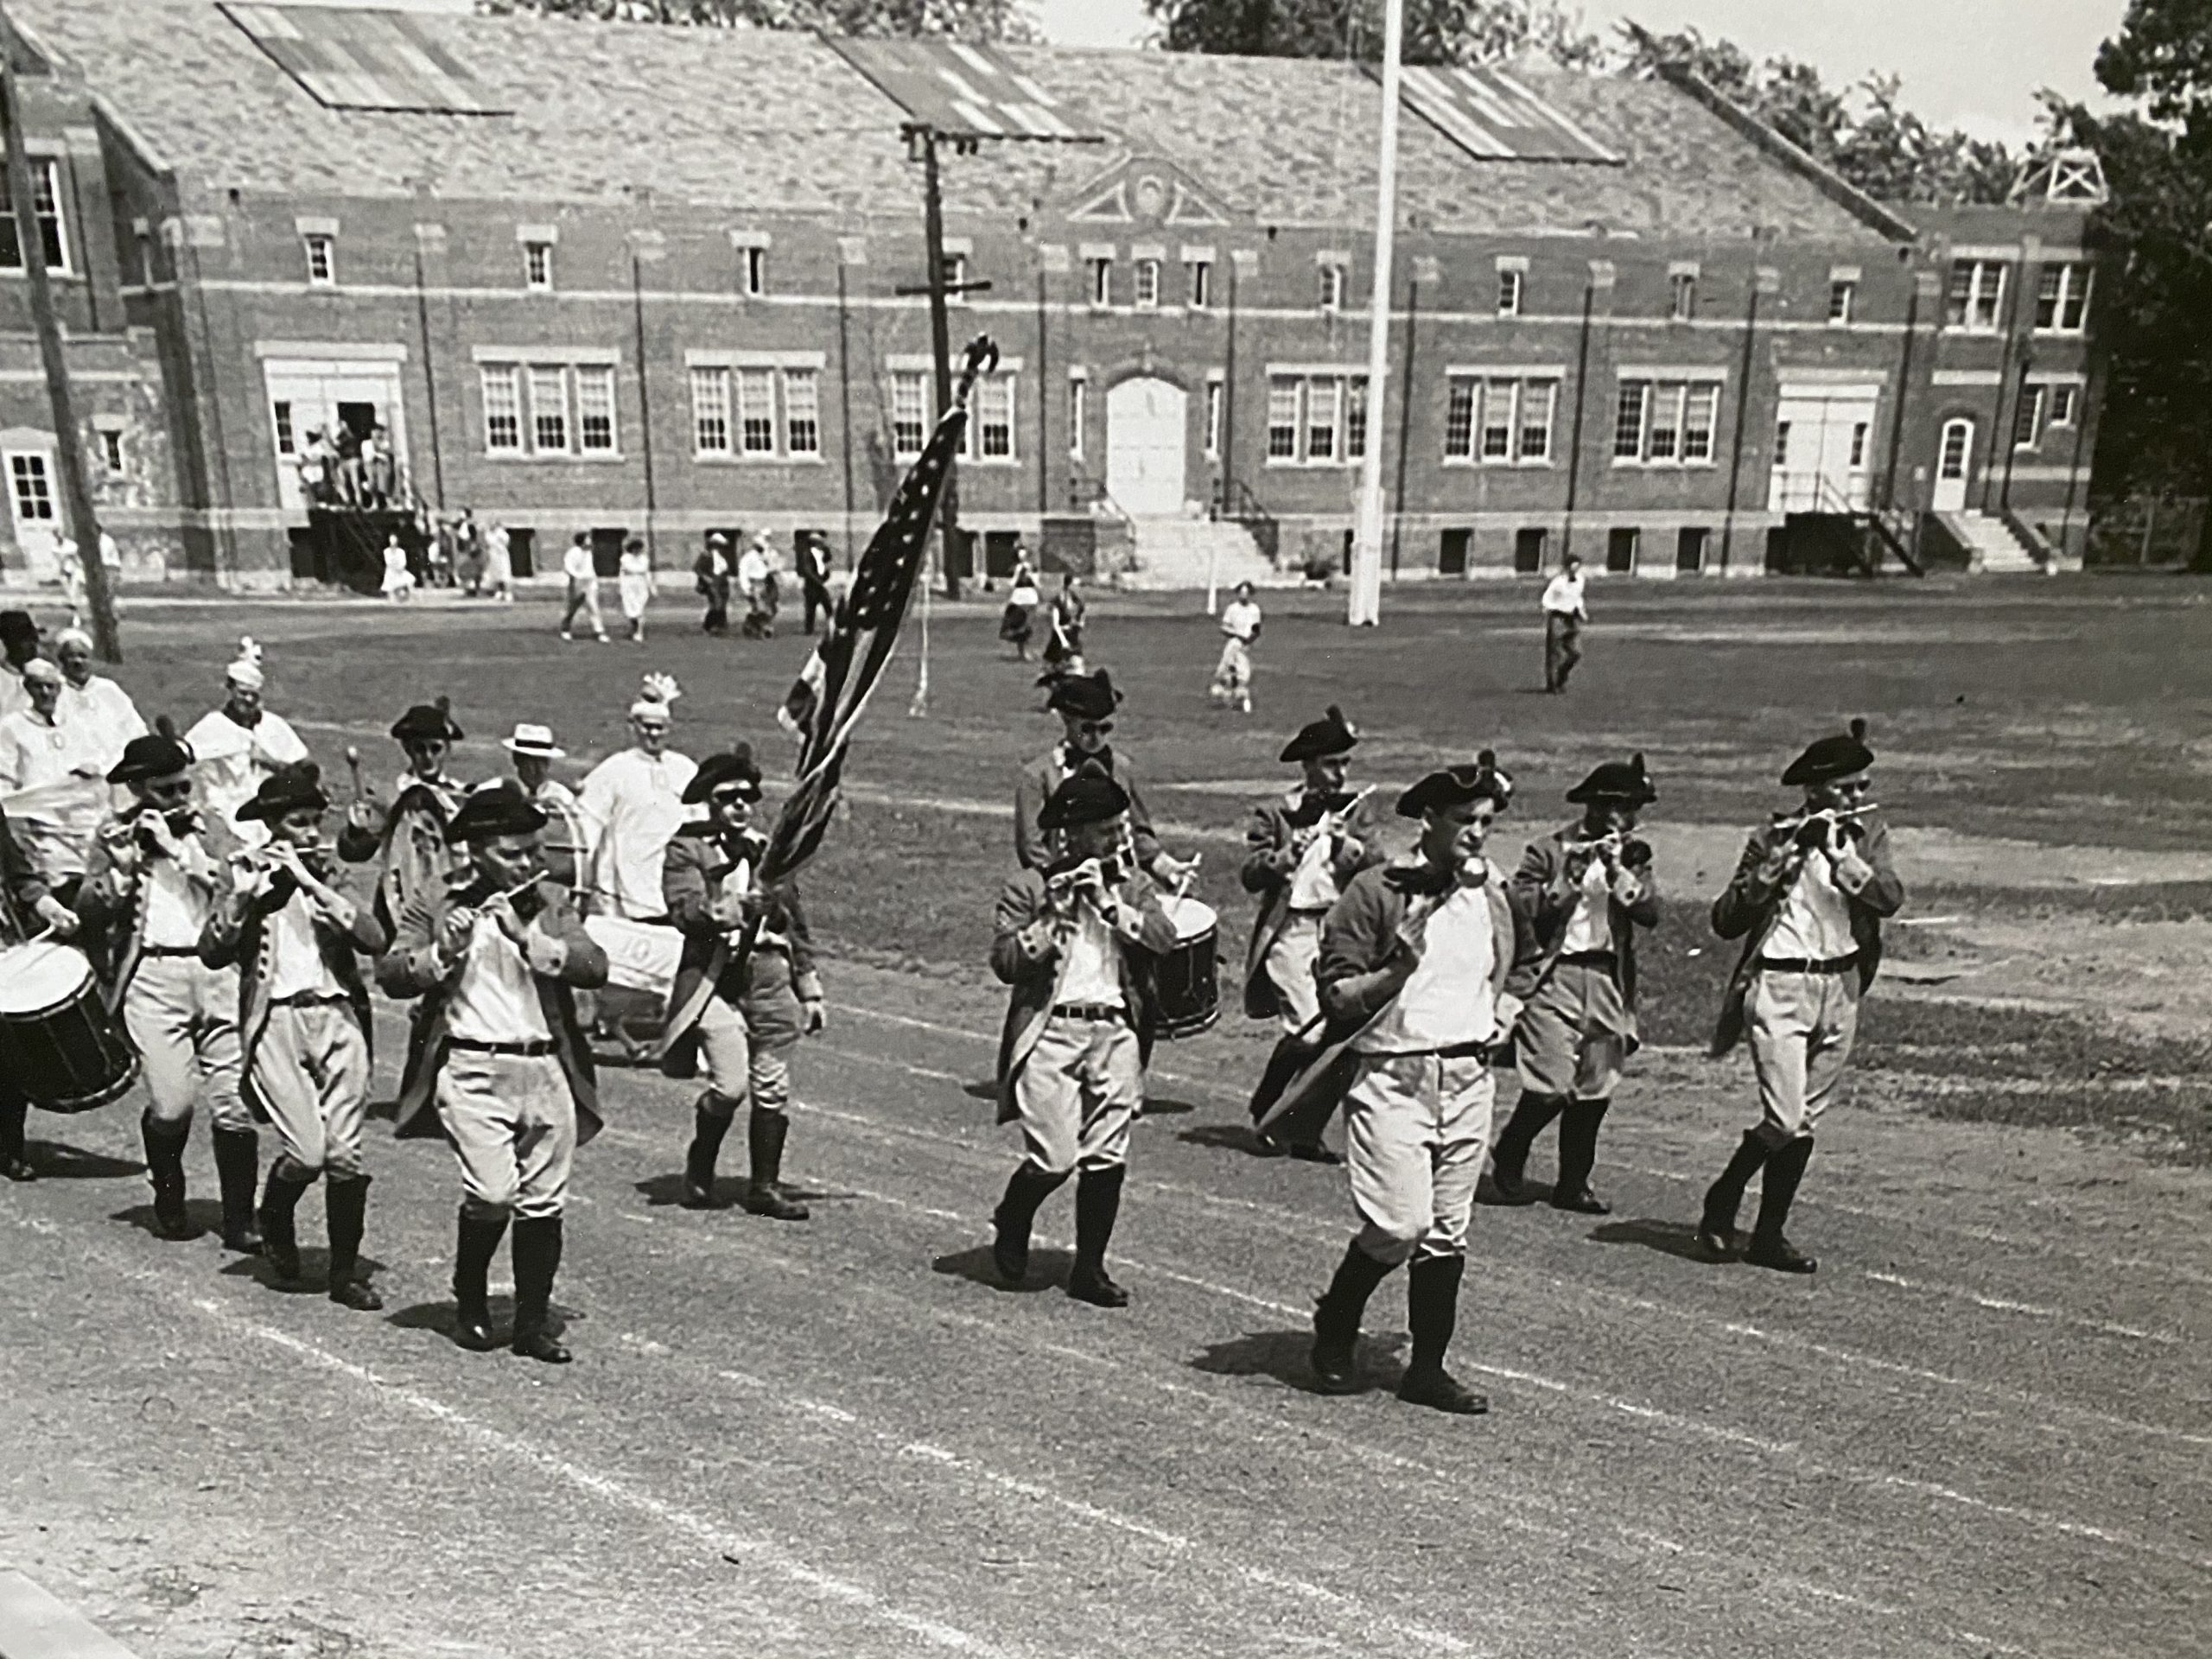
827,699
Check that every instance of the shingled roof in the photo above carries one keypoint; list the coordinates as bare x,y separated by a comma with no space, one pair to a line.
767,121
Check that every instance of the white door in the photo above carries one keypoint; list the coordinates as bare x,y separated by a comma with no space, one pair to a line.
1954,458
1822,438
306,394
34,509
1146,444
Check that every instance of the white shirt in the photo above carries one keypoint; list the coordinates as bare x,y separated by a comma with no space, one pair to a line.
495,1001
635,805
56,831
176,907
1313,883
36,752
577,565
752,568
1591,926
1090,965
1563,596
103,712
1448,1000
230,760
1815,922
1240,620
12,694
296,964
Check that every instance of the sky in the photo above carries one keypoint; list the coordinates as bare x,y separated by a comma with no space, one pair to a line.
1975,63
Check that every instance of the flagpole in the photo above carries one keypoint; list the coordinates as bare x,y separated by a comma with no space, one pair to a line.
1364,607
919,708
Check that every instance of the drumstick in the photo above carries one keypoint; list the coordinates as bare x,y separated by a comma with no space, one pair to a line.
1183,882
353,765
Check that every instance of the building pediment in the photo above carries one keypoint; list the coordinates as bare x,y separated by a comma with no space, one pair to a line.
1143,191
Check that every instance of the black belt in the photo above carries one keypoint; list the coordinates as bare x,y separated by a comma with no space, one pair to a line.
1808,965
1090,1010
535,1049
169,951
1589,959
1456,1051
311,1000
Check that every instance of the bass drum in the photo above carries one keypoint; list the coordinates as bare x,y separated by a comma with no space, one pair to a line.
1186,991
58,1042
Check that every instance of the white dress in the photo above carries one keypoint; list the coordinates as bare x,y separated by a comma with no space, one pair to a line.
397,580
634,578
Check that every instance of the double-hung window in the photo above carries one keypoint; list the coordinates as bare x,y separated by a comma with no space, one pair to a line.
1976,296
45,208
1318,419
549,408
909,411
1499,419
2063,299
756,412
991,427
1666,423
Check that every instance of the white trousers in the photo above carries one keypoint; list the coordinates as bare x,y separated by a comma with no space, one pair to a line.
1078,1093
311,1072
1417,1128
1801,1027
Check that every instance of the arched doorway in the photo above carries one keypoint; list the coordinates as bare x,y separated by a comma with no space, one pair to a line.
1954,459
1147,445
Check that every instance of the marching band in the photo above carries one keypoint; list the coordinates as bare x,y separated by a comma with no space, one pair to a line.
205,934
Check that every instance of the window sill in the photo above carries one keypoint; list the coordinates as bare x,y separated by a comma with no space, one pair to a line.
54,273
555,457
1624,464
1494,463
725,458
2062,333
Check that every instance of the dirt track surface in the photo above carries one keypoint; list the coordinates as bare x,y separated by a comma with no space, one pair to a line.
1981,1429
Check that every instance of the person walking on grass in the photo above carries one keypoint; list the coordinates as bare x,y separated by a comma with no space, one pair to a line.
634,582
1240,628
583,589
1565,616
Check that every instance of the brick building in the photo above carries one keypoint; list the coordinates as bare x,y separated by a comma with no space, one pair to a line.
612,278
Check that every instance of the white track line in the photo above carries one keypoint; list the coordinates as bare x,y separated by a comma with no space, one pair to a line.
1921,1223
1297,1224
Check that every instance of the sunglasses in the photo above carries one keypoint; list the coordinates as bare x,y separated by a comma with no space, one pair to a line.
1095,727
732,797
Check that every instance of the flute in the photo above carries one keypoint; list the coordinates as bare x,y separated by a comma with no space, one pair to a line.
1830,814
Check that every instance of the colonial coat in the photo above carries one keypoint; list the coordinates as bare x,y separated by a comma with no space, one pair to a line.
1363,967
1749,907
416,967
1026,955
237,934
1545,891
1046,773
111,901
1271,859
778,973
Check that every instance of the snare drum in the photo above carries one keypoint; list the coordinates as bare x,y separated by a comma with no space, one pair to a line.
58,1042
1185,988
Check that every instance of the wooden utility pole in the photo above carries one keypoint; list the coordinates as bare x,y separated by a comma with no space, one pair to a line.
76,490
921,143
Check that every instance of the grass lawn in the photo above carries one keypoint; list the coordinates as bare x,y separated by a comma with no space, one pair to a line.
2068,712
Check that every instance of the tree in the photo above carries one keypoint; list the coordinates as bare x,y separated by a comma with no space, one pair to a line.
967,20
1437,31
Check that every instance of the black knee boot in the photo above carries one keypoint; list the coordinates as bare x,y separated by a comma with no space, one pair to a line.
1784,1171
1578,1156
537,1261
238,1167
765,1134
347,1200
1336,1320
1097,1203
477,1243
1433,1312
707,1132
1716,1231
164,1144
14,1162
1532,1116
1029,1188
280,1197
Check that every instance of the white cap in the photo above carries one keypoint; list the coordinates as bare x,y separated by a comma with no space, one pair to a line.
245,672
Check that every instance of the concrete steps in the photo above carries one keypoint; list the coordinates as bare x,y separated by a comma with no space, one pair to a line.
1172,553
1997,548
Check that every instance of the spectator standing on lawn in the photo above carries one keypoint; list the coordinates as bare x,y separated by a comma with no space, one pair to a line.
499,563
234,748
91,703
583,589
1021,618
1064,643
710,576
398,580
634,801
756,579
633,584
814,579
1232,675
1565,614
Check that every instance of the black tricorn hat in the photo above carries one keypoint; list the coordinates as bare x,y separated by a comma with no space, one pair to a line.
1087,796
1457,785
736,765
1617,780
284,789
156,754
1331,734
496,808
428,720
1087,696
1837,755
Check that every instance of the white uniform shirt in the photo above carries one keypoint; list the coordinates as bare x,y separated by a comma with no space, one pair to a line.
635,804
1448,1000
495,1001
752,570
56,835
296,964
1090,967
1814,923
34,752
1240,620
12,694
1563,596
576,564
176,908
103,711
231,760
1591,926
1313,883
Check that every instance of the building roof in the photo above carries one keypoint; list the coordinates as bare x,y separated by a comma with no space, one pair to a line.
770,121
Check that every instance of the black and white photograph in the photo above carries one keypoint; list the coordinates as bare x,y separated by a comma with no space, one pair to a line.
1105,829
